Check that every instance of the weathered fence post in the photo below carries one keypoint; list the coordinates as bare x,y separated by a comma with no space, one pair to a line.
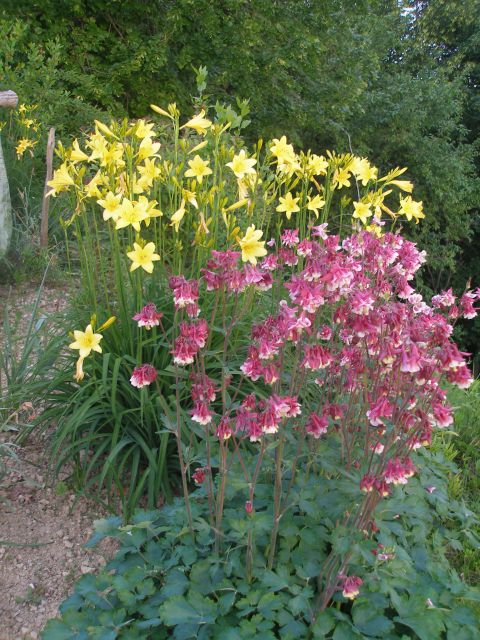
46,201
9,100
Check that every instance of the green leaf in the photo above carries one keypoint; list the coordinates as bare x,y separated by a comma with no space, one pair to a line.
57,630
273,581
370,621
192,610
324,623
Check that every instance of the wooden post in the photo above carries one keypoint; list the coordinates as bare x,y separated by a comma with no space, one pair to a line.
46,201
8,100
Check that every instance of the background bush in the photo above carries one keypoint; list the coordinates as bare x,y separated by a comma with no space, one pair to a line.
397,81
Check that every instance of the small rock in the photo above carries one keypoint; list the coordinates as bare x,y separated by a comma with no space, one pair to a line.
86,569
68,544
33,635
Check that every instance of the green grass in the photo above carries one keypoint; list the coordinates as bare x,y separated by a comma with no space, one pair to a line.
463,446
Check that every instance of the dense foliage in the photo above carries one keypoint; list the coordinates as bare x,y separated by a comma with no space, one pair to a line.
394,80
160,585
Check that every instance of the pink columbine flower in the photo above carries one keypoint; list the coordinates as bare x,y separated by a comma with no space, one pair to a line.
185,294
290,238
442,415
143,376
444,300
305,248
201,413
377,448
224,429
195,332
148,317
367,483
199,475
316,425
410,360
398,471
324,333
203,389
184,351
361,303
316,357
269,420
466,305
320,231
351,587
461,377
380,409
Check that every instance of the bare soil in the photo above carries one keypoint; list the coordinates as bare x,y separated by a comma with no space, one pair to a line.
43,526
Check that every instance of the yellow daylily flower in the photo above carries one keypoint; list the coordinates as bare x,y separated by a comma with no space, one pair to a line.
404,185
177,217
61,180
91,188
79,374
23,145
98,145
363,170
341,178
198,169
111,155
143,257
147,149
144,129
241,164
149,171
146,208
86,342
288,204
111,206
287,160
317,165
315,203
104,129
411,209
131,213
199,123
280,148
190,197
251,246
362,211
76,154
161,111
374,228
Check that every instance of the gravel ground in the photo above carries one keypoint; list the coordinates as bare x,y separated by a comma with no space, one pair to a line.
42,535
43,528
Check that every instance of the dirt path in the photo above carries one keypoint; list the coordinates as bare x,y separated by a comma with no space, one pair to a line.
35,578
42,528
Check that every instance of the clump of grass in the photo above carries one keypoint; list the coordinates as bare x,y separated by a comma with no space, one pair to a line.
463,446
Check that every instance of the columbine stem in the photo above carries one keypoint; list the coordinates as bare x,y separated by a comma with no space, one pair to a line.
276,501
183,470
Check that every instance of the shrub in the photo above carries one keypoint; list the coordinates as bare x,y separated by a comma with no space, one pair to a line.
327,403
168,193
